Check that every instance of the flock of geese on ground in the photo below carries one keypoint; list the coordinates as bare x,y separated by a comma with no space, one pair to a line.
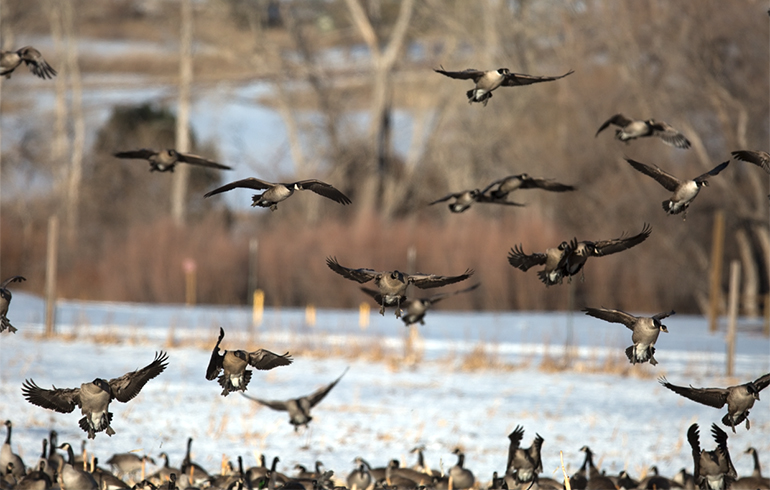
713,469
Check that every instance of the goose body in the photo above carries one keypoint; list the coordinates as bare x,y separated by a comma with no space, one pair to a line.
10,60
488,81
645,331
274,193
5,302
166,160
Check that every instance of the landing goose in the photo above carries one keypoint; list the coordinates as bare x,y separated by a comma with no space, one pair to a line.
463,200
631,129
414,309
487,81
5,302
278,192
713,470
645,331
524,464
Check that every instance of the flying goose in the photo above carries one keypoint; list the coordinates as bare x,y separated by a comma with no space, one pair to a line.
234,363
414,309
684,191
759,158
299,408
645,331
460,477
713,469
487,81
524,465
73,477
739,398
8,456
166,160
578,253
275,193
551,259
10,60
5,302
94,397
464,199
631,129
392,284
500,189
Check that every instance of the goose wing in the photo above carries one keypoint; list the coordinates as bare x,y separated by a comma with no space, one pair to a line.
374,294
761,158
712,172
545,184
215,363
669,135
248,183
438,297
515,441
12,279
661,316
693,437
35,62
199,160
424,281
322,189
516,79
617,120
613,316
274,404
522,261
713,397
63,400
607,247
264,359
359,275
447,197
720,437
130,384
665,179
469,73
319,394
143,154
483,198
762,382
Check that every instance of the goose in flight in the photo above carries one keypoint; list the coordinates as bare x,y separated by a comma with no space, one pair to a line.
275,193
487,81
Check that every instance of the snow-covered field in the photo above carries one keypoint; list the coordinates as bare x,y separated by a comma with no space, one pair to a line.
386,404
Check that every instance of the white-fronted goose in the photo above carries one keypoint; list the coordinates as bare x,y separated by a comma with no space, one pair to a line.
10,60
684,191
166,160
500,189
414,309
460,477
758,158
94,397
631,129
645,331
299,408
713,470
524,465
392,284
488,81
234,363
464,199
8,456
275,193
551,259
73,477
739,398
5,301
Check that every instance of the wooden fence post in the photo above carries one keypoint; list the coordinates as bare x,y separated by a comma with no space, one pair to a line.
734,293
715,280
50,275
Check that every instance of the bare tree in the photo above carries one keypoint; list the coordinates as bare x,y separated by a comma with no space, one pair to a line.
182,172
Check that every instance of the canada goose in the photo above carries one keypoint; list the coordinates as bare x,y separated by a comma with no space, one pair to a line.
713,469
578,253
8,456
166,160
625,481
42,462
464,199
234,362
684,479
500,189
170,484
759,158
73,477
684,191
55,460
299,408
193,471
739,398
128,463
596,481
459,476
393,478
414,309
755,480
487,81
37,479
360,478
392,284
5,301
552,257
524,465
94,397
645,331
631,129
275,193
165,471
378,473
257,471
10,60
421,465
104,479
655,481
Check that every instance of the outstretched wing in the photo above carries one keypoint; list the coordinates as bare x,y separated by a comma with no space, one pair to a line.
264,359
720,437
661,316
614,316
669,135
693,437
359,275
215,363
522,261
62,400
323,189
144,154
617,120
534,452
447,197
545,184
249,183
198,160
712,172
516,79
12,279
607,247
515,441
319,394
469,73
665,179
425,281
761,158
713,397
762,382
438,297
130,384
35,62
376,295
483,198
274,404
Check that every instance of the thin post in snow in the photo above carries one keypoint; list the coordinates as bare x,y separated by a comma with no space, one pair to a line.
735,278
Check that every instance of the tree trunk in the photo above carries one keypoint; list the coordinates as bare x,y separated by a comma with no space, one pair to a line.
182,172
78,124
